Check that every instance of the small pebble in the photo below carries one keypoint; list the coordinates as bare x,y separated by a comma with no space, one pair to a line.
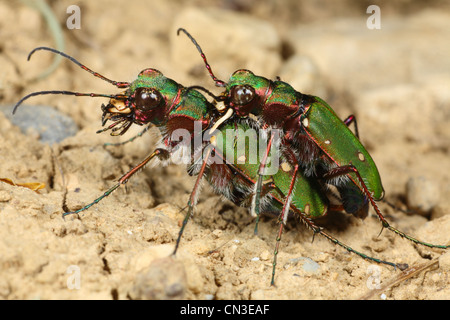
217,233
50,125
4,196
422,194
444,262
265,255
162,279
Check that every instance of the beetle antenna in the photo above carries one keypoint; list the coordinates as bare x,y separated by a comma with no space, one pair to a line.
212,95
219,83
71,93
118,84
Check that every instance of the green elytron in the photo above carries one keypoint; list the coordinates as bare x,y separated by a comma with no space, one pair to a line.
304,197
321,143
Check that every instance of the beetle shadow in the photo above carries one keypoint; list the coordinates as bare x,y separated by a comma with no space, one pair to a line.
336,221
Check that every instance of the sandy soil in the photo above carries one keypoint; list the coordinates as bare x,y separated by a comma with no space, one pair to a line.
395,80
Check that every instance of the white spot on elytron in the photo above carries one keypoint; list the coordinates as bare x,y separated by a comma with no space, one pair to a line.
327,142
213,141
286,167
361,156
307,209
305,122
242,158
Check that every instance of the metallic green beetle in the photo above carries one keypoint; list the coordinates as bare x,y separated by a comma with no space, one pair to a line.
322,144
236,175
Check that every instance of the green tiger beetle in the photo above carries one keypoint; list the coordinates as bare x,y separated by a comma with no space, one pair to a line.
322,144
153,99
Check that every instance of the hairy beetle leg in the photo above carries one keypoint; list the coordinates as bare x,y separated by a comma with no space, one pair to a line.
140,134
160,153
256,204
282,221
193,197
352,169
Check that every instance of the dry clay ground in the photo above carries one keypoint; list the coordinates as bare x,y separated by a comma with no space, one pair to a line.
396,81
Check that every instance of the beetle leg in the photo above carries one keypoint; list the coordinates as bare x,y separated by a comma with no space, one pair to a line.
160,153
256,204
318,230
351,168
352,119
140,134
282,220
194,196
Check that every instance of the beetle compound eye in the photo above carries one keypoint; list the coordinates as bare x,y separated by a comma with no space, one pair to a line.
146,98
241,95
